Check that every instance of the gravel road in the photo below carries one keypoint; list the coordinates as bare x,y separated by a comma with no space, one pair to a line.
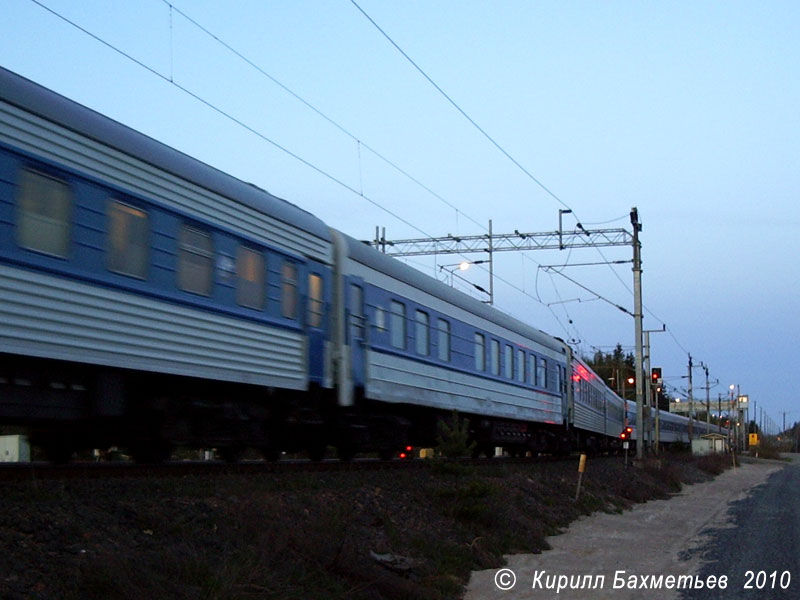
650,543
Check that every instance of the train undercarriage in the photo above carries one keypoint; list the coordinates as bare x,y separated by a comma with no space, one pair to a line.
68,407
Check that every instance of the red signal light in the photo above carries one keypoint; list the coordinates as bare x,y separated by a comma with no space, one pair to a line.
402,455
409,448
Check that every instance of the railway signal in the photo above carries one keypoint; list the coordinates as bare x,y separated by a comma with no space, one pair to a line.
655,376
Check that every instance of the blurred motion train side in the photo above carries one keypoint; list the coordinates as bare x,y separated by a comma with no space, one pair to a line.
148,300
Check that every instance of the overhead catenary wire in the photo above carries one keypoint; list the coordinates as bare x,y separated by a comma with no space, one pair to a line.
239,122
230,117
404,172
495,144
360,143
316,110
458,108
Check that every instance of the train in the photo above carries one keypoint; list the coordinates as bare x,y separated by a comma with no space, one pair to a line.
150,301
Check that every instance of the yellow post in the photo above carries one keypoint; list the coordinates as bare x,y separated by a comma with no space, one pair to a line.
581,469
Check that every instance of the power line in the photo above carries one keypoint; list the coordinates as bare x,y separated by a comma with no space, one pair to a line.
297,157
337,125
247,127
458,108
314,109
494,143
346,132
231,117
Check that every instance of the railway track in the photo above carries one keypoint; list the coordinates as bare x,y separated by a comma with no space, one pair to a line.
37,471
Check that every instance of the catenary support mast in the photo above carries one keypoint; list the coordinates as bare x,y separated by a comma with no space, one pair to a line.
637,317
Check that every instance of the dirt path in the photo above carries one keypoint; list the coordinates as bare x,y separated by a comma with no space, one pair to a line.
646,541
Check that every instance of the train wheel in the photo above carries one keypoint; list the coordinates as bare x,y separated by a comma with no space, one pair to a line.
59,448
316,452
151,452
485,450
271,453
231,454
345,453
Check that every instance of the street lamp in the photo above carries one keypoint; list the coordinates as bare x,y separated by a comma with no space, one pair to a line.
743,402
463,266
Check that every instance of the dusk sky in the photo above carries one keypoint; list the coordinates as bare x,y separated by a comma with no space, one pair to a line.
689,111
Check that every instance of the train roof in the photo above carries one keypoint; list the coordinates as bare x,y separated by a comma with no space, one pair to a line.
45,103
371,257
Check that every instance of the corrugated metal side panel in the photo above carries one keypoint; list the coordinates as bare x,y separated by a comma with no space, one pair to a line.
408,282
588,419
51,317
44,138
397,379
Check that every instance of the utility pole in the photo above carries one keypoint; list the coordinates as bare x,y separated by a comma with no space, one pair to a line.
637,317
491,264
708,393
691,403
652,396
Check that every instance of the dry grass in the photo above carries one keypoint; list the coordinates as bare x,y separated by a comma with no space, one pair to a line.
304,536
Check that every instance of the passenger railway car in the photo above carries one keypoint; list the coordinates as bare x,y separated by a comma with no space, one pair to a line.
597,414
419,349
148,300
143,291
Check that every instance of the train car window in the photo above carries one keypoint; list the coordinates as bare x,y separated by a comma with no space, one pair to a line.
315,296
533,362
522,368
444,340
128,233
380,319
289,290
398,324
45,206
195,261
421,333
541,373
356,312
494,357
250,278
509,362
480,352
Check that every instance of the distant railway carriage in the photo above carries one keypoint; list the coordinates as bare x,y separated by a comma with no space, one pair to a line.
598,413
419,349
149,300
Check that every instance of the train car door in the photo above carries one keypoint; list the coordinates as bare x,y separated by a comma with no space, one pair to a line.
357,332
316,332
